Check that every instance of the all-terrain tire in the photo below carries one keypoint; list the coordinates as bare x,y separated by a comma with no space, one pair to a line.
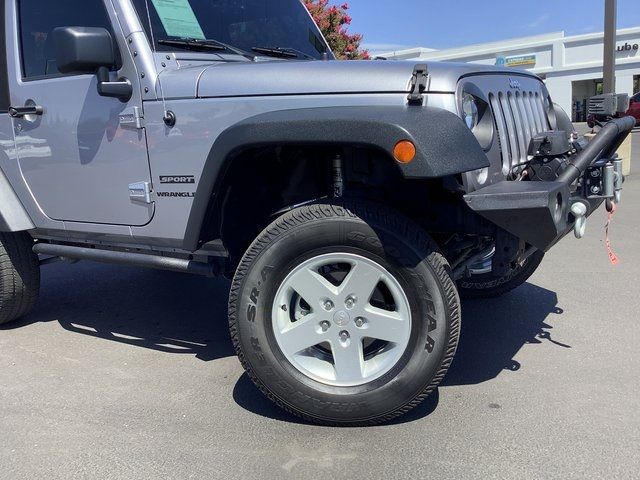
488,286
19,276
378,234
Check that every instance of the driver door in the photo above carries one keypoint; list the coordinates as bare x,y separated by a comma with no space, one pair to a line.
76,154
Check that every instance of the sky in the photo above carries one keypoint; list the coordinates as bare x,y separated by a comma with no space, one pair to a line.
395,24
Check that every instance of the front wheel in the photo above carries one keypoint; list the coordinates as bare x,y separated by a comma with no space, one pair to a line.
483,284
344,314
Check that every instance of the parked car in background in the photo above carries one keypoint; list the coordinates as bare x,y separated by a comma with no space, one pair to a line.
633,111
634,107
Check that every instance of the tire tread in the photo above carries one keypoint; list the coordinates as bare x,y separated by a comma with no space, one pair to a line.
386,218
19,276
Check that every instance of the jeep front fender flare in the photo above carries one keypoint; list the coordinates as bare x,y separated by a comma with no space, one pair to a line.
445,146
13,216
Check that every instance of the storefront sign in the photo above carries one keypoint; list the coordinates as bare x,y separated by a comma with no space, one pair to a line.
628,47
519,61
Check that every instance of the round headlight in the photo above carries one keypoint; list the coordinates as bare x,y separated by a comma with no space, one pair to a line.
470,113
477,115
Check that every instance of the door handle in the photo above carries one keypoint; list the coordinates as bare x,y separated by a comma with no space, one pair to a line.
19,112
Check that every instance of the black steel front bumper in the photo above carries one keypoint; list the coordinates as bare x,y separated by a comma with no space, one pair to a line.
542,213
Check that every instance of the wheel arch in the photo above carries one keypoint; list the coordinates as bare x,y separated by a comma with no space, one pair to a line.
377,128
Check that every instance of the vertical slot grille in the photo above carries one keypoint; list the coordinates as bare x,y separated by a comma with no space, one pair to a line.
519,117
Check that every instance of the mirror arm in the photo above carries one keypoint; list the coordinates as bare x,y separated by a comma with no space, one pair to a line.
122,89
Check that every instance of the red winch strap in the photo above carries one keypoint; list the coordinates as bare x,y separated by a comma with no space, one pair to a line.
612,255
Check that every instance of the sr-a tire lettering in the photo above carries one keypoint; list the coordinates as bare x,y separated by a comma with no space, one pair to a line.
255,294
251,313
265,272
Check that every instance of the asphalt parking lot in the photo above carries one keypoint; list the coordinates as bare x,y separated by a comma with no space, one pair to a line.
125,373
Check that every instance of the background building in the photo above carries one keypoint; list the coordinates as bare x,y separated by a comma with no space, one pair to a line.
571,66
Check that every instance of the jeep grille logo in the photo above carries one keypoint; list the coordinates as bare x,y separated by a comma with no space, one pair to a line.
514,83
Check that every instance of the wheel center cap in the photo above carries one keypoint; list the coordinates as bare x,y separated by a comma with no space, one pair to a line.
341,318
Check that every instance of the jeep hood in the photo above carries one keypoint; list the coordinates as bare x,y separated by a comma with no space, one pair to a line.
238,79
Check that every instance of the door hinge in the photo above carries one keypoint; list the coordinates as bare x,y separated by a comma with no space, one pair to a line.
132,117
419,85
140,192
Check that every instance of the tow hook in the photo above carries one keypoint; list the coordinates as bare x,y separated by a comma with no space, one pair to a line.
602,181
579,211
618,177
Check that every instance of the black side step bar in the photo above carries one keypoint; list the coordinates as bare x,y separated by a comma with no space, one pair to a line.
127,258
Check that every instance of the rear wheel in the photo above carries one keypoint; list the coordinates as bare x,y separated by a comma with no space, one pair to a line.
19,276
344,314
483,284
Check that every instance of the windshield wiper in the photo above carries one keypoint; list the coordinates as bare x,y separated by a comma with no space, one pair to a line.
204,45
281,52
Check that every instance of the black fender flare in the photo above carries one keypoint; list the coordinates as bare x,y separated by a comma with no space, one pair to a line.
13,216
444,144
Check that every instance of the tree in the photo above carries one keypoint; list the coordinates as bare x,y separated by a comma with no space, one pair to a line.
333,22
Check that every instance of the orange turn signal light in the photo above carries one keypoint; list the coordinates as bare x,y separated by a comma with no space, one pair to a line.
404,151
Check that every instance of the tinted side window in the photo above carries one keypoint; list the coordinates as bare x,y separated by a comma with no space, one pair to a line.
38,19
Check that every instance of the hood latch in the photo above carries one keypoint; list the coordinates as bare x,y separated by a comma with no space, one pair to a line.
419,84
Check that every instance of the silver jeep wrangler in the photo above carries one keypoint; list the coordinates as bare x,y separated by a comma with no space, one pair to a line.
352,203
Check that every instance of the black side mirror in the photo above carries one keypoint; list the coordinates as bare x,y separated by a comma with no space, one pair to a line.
83,49
90,50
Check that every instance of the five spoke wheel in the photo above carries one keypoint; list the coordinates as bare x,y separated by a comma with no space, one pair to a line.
341,319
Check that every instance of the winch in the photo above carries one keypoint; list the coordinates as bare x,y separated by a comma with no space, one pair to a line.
549,152
566,183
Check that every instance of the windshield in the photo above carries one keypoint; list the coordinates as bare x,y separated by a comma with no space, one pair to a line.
245,24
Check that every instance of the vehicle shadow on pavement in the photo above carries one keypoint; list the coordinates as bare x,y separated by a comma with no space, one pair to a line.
187,315
163,311
493,331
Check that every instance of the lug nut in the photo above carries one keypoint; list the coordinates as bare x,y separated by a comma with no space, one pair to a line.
328,305
325,326
350,302
344,336
360,322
